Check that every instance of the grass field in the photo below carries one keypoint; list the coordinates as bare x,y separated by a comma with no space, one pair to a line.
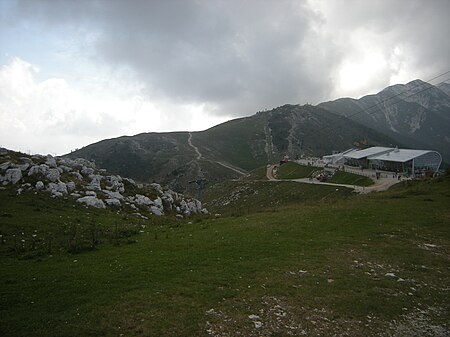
244,197
291,170
356,265
350,179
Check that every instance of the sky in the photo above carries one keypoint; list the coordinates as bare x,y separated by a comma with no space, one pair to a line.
75,72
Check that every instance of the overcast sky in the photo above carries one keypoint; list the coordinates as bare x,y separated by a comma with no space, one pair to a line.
75,72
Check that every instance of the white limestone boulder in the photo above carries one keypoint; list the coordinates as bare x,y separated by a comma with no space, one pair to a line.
57,188
115,183
156,210
113,202
38,169
142,200
53,175
157,187
158,202
77,175
6,165
113,195
92,201
39,185
87,171
51,161
94,184
13,175
70,186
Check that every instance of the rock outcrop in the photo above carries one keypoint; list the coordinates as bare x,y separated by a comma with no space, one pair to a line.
81,180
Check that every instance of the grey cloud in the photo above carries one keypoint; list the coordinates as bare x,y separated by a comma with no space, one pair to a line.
241,56
420,26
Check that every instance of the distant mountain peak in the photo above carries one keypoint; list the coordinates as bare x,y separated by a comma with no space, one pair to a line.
416,114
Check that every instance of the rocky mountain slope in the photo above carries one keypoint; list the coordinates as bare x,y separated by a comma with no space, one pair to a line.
416,114
231,149
80,180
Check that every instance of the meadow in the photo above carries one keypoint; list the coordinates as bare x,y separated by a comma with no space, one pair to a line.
341,264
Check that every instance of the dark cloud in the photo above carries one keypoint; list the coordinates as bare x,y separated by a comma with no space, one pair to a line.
240,56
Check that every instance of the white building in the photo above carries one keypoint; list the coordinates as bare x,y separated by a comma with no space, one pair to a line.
409,161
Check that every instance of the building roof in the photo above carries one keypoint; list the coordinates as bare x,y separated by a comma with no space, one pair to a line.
400,155
371,151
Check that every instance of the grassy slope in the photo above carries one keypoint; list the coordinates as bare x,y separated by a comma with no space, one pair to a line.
243,197
239,142
169,281
350,179
293,170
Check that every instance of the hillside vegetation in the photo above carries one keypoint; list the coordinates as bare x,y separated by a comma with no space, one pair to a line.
348,178
293,170
243,144
342,265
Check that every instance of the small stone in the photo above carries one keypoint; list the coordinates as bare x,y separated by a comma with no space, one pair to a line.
258,324
254,317
39,185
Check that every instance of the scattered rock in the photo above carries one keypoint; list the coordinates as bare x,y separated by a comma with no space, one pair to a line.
39,185
70,186
51,161
95,182
53,175
77,175
115,183
87,171
24,167
113,202
13,175
92,201
57,189
62,176
113,195
5,166
156,210
142,200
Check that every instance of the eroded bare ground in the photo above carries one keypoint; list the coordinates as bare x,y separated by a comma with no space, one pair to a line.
278,316
288,316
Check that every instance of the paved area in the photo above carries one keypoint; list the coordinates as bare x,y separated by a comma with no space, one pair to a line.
386,179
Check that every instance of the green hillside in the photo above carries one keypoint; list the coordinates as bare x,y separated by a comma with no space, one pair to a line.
332,265
293,170
229,149
350,179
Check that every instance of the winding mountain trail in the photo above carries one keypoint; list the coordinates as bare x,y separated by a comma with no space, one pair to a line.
226,165
234,168
270,174
199,155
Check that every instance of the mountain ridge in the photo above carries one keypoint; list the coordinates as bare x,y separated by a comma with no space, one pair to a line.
416,113
227,150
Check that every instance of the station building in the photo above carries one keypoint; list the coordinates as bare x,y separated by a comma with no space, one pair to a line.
407,161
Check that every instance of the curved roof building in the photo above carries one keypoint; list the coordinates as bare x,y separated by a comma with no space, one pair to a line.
414,162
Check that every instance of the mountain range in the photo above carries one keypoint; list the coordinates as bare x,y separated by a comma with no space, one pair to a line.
413,115
416,114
